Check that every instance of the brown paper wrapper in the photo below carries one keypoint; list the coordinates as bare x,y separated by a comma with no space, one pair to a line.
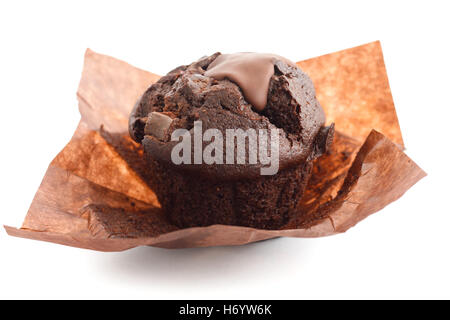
94,193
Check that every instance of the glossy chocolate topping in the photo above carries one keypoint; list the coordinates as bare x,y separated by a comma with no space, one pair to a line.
250,71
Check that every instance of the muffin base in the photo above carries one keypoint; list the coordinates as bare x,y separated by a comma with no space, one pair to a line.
267,202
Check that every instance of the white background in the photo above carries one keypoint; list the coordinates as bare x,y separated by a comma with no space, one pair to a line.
400,252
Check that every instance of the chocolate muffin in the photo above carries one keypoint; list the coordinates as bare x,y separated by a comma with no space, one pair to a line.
218,177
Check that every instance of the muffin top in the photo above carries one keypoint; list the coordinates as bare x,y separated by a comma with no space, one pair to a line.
233,91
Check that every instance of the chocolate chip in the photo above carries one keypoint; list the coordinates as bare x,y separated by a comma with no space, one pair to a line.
157,125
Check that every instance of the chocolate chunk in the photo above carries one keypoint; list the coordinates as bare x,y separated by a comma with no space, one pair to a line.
251,71
157,125
203,194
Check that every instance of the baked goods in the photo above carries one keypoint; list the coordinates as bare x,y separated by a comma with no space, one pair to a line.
253,93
